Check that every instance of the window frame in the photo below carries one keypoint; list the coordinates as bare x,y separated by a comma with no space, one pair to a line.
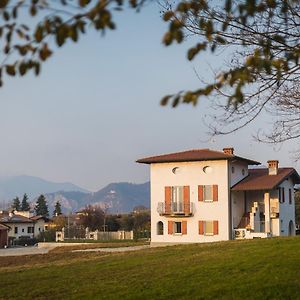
160,231
175,228
30,229
211,193
212,228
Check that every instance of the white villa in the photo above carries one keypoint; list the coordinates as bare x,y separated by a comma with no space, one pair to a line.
205,195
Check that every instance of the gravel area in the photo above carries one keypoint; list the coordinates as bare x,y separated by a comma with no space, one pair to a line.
22,251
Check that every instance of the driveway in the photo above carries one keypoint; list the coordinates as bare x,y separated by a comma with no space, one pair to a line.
120,249
22,251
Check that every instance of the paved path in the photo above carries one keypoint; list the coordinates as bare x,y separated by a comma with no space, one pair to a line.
22,251
120,249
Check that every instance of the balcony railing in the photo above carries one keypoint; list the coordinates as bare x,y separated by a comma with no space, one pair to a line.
176,209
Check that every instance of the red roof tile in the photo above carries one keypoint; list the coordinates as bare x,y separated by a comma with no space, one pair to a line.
194,155
14,219
259,179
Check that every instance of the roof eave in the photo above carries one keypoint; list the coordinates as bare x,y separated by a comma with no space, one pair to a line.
148,161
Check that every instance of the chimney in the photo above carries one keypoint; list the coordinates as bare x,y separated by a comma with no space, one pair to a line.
273,167
228,151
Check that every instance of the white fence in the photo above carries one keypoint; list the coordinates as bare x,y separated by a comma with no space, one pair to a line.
96,235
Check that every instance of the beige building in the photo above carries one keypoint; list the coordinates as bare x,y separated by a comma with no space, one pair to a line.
23,224
205,195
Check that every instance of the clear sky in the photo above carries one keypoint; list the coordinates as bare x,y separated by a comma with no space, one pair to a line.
95,109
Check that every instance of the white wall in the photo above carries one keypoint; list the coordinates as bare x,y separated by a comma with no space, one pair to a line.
191,174
238,207
22,229
287,211
39,227
236,174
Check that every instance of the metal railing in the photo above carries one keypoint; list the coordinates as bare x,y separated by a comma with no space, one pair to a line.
176,208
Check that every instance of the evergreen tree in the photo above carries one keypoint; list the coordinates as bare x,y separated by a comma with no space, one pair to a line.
25,205
16,205
57,209
41,207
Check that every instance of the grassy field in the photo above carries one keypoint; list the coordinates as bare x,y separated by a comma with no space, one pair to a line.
258,269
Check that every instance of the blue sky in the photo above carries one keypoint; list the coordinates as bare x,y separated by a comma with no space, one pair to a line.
95,109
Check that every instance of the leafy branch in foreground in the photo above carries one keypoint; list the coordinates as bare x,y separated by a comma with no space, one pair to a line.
26,47
261,37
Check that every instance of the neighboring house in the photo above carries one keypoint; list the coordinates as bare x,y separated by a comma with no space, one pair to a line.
22,224
3,235
204,195
41,224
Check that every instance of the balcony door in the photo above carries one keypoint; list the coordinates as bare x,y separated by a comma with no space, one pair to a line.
177,199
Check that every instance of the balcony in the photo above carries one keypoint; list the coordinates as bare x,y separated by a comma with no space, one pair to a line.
176,209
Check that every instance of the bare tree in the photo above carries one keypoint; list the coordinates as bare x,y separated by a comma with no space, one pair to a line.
261,38
92,217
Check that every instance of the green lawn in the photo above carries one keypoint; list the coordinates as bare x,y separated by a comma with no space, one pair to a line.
257,269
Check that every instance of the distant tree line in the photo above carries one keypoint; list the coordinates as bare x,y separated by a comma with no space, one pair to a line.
40,208
94,218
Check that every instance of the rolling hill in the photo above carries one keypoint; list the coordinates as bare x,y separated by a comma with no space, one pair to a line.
116,197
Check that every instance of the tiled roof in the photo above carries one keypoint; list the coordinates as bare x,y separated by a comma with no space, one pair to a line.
14,219
194,155
259,179
35,218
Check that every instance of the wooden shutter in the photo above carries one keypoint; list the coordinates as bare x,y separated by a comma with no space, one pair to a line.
215,192
200,192
186,199
216,227
201,227
170,227
184,227
168,191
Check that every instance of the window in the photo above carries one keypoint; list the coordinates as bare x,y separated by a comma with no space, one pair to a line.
160,228
208,227
16,230
177,227
283,196
290,196
279,195
207,193
175,170
30,229
23,230
232,170
207,169
177,198
243,172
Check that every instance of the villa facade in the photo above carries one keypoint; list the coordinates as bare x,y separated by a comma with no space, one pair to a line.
205,195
